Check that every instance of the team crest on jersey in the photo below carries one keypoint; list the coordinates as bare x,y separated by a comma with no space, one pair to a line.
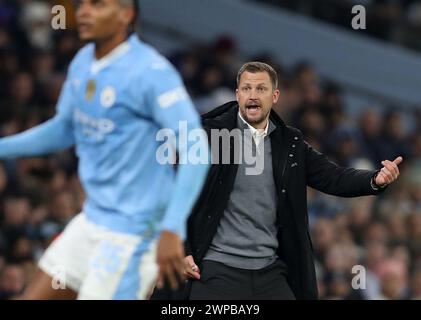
108,97
90,89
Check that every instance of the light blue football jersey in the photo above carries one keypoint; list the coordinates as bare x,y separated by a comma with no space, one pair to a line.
111,109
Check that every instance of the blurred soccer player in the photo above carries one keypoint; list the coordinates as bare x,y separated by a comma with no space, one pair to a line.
118,93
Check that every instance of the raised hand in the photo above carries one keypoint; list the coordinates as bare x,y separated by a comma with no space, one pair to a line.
389,173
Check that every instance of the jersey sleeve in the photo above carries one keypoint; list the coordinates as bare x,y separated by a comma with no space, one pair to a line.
168,98
172,108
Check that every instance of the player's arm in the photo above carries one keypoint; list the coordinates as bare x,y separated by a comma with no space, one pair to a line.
190,177
53,135
171,105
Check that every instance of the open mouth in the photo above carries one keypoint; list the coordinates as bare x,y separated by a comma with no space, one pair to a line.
253,107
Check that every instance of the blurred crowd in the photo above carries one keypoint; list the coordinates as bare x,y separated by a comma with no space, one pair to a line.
398,21
38,196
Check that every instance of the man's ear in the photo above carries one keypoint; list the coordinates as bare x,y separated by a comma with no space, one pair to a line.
276,94
128,15
236,94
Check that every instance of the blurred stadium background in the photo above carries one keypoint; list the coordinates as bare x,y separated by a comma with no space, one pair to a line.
355,94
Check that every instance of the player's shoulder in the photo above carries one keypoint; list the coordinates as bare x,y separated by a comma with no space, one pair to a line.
153,64
82,57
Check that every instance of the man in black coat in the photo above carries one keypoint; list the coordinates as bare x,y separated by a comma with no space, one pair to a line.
247,236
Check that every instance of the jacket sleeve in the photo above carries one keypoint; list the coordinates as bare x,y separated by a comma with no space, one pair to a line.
187,249
326,176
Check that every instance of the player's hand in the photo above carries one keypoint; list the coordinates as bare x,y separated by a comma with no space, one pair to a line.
170,259
389,172
191,270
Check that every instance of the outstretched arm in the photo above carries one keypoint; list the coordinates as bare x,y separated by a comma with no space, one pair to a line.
53,135
326,176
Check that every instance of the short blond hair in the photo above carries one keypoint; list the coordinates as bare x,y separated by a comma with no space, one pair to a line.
256,66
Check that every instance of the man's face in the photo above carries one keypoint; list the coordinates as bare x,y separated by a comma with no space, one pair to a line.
255,97
101,19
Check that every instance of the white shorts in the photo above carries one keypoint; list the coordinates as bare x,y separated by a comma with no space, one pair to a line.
99,263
